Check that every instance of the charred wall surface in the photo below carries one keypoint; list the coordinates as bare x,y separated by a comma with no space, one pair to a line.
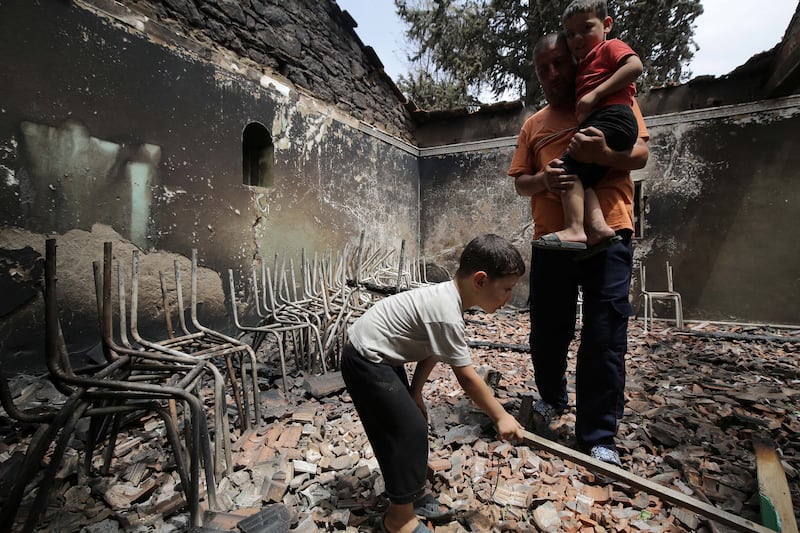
723,196
310,43
466,193
110,133
719,200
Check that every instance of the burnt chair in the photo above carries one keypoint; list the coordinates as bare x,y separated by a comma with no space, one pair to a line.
159,360
202,343
649,296
291,329
112,390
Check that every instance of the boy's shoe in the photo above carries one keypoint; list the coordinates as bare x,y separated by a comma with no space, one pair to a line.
429,508
606,453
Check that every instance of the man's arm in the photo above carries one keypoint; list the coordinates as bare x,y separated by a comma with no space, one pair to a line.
589,146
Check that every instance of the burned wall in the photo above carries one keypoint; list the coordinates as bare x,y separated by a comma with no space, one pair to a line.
102,125
467,193
723,196
310,43
720,199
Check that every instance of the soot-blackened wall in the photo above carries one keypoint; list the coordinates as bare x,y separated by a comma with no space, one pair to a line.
106,134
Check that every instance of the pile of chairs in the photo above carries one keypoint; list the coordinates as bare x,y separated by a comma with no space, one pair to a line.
187,377
170,377
307,313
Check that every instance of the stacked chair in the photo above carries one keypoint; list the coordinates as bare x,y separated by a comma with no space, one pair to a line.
186,377
308,313
130,381
202,342
156,352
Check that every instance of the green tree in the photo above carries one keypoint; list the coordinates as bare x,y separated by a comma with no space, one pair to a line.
461,49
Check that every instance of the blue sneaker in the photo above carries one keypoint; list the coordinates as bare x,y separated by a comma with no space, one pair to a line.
606,453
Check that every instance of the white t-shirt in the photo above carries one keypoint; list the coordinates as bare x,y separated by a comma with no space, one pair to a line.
412,326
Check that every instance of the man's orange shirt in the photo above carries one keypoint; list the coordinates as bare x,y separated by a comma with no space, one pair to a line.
544,137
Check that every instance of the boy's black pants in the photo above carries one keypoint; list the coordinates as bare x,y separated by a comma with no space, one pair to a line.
621,131
395,426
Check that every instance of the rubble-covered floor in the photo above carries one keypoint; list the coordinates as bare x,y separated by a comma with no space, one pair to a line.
694,403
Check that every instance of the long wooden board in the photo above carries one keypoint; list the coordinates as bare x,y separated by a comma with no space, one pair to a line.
665,493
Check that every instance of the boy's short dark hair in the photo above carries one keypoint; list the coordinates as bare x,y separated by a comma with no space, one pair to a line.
598,7
492,254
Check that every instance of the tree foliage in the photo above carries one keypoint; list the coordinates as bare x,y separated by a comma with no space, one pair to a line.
462,49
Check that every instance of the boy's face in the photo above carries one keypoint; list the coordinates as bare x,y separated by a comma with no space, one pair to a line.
584,32
493,293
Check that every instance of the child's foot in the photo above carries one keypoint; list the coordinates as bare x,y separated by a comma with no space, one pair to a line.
598,235
570,235
553,242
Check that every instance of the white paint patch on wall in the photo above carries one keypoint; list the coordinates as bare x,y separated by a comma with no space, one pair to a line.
141,174
684,172
271,83
8,176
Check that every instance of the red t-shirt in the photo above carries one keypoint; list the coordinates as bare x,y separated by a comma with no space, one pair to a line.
598,65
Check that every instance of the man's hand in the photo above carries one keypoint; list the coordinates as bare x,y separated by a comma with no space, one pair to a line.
509,429
555,180
588,145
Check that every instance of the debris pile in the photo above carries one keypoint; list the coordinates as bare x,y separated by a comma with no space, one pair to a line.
696,399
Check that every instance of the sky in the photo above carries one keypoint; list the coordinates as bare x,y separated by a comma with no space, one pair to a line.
729,32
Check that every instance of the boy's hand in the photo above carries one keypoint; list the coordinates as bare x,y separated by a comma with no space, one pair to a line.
509,429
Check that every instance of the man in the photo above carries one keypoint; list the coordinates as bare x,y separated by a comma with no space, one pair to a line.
603,272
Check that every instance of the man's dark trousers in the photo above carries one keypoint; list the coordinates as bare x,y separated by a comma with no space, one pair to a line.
600,370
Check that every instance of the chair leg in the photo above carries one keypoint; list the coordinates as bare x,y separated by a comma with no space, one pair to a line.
40,502
244,418
31,465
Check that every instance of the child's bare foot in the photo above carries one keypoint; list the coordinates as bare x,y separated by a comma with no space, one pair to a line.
598,235
571,235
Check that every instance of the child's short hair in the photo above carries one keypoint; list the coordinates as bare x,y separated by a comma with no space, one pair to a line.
491,254
598,7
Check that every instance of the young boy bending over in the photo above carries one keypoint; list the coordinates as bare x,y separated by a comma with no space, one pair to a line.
604,88
424,326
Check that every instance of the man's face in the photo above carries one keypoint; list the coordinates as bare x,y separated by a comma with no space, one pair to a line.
555,70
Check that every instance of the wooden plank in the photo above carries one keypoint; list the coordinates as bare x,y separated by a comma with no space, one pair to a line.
669,495
776,500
